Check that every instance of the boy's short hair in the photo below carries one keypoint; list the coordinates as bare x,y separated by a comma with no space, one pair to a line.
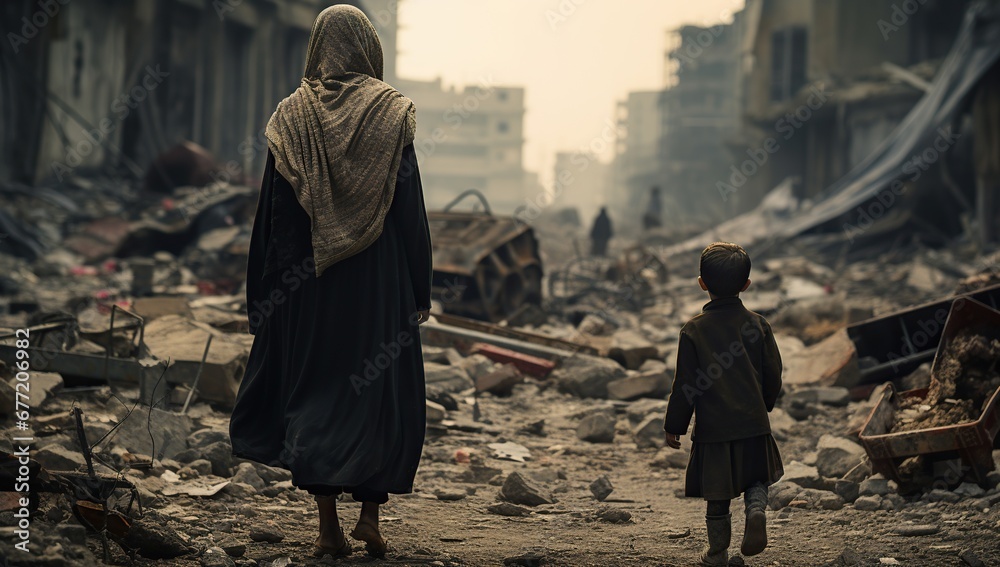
725,268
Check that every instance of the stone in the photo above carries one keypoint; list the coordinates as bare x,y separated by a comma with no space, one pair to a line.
43,386
216,557
59,458
613,515
847,490
875,486
271,474
835,456
596,428
941,495
517,489
601,488
831,396
587,376
529,559
239,490
860,472
450,494
508,509
970,558
445,379
501,381
969,490
267,533
220,454
894,500
233,548
802,475
206,436
649,433
782,493
640,409
201,466
477,366
653,385
818,499
847,558
868,503
782,424
668,458
246,473
916,530
631,349
152,431
435,412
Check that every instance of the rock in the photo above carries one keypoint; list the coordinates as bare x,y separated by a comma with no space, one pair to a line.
649,433
782,493
587,376
233,548
220,454
477,366
59,458
613,515
201,466
868,503
529,559
216,557
435,412
271,474
239,490
450,494
653,385
894,501
601,488
970,490
832,396
267,533
508,509
445,379
836,456
818,499
941,495
782,424
875,486
640,409
43,386
916,530
517,489
860,472
847,558
596,428
670,459
970,558
500,381
152,431
847,490
207,436
802,475
246,473
653,366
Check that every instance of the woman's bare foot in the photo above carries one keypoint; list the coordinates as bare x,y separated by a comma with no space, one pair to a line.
331,538
368,532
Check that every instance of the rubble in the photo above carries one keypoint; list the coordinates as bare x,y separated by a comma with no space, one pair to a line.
586,376
601,488
598,427
519,490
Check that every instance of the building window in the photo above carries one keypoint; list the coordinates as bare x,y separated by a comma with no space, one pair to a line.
503,127
788,62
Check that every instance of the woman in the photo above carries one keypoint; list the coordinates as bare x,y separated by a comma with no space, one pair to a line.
338,279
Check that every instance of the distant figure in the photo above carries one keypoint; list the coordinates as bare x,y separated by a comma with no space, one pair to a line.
601,233
654,212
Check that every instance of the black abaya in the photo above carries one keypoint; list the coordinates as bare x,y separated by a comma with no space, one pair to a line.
334,386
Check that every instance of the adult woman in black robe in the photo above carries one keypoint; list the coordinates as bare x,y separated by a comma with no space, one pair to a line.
338,281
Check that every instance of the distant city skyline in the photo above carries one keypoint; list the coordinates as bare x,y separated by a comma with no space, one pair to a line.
576,58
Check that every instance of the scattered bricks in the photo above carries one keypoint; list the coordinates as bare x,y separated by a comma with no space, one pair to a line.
601,488
501,381
517,489
596,428
530,365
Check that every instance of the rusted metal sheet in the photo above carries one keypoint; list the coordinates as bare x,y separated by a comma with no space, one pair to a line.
485,266
531,365
893,346
973,442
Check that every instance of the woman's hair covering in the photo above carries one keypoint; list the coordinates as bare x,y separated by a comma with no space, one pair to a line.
338,139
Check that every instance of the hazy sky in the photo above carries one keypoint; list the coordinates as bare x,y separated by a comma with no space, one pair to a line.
576,58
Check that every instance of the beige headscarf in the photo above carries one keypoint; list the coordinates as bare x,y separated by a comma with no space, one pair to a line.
338,139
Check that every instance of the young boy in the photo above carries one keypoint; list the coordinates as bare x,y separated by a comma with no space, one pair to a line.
728,375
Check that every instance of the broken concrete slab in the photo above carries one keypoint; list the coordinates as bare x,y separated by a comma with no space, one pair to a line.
445,379
587,376
150,431
654,385
631,349
500,381
55,457
639,409
836,456
649,433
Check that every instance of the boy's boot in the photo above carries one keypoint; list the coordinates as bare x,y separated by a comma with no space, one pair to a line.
755,533
719,535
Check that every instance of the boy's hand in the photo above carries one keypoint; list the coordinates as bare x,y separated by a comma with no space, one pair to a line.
673,441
